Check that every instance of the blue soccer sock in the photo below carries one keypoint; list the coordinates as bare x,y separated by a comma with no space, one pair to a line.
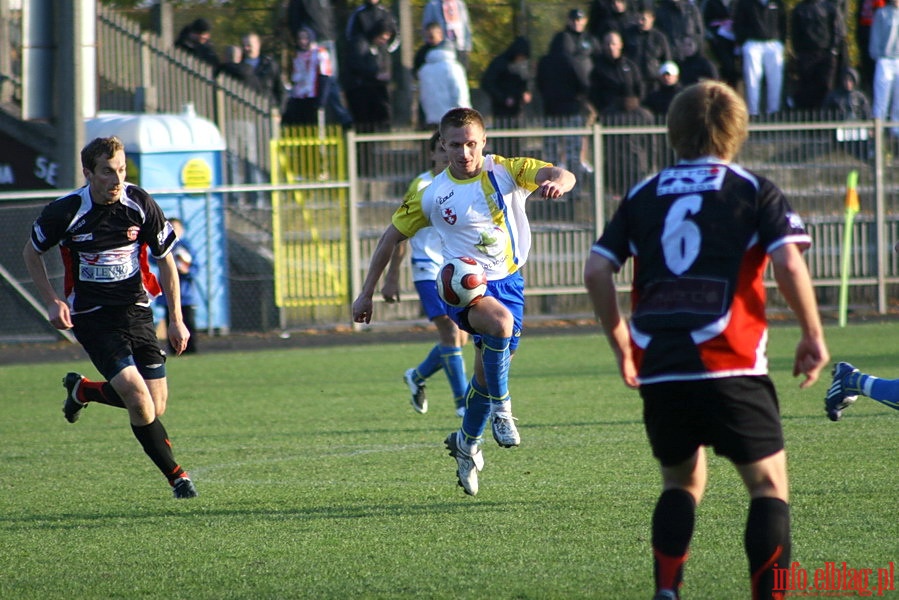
430,365
885,391
477,412
454,366
496,358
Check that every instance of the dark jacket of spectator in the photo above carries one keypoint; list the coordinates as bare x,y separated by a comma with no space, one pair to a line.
847,102
610,15
648,49
613,80
194,38
756,21
317,15
679,19
507,79
562,82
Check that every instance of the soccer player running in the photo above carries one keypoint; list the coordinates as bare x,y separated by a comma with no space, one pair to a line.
477,207
104,231
427,257
701,233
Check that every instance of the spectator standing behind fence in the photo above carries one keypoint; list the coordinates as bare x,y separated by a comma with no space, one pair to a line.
866,10
817,35
366,18
507,80
760,28
680,19
452,16
615,15
368,75
614,76
318,17
660,99
196,39
310,80
647,46
694,65
233,67
719,33
442,85
563,80
265,69
884,48
847,101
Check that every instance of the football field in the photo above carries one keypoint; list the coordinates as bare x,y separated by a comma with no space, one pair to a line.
317,480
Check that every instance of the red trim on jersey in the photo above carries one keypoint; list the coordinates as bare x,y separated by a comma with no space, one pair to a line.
151,284
737,347
68,286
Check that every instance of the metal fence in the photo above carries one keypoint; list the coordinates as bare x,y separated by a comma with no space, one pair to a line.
299,246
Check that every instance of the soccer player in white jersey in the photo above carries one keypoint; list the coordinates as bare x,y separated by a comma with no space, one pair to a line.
477,206
701,233
427,256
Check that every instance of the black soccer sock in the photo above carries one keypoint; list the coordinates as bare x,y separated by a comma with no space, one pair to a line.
672,529
99,391
154,439
767,542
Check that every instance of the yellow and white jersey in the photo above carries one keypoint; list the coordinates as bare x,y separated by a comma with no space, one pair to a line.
482,217
426,246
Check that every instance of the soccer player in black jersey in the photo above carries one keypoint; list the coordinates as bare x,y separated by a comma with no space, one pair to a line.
104,231
701,233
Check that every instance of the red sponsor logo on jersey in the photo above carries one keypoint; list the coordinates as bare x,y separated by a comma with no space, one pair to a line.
449,216
132,232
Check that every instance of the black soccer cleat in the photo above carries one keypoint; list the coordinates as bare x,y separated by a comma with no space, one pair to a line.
183,487
71,407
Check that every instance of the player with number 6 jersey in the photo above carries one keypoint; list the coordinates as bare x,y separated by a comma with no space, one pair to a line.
701,233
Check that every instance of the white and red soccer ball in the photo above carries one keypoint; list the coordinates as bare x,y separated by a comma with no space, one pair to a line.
461,281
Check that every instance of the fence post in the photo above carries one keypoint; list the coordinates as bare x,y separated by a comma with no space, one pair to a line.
880,214
353,217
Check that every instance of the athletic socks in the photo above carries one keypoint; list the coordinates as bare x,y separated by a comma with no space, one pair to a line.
477,412
454,366
98,391
672,528
885,391
496,356
430,365
155,442
767,542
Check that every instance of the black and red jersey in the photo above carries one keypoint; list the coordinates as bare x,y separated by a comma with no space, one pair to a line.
700,233
104,246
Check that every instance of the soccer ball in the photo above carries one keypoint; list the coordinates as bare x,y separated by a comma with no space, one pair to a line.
461,281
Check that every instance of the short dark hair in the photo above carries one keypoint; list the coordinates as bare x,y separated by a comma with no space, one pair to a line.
100,148
461,117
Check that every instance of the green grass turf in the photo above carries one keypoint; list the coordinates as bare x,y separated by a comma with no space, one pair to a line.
317,480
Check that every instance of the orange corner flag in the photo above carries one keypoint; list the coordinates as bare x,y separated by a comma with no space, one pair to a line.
852,192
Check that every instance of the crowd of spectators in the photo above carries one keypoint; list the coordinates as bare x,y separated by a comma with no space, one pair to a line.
618,59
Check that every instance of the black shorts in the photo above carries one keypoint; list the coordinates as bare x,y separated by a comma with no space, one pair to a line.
116,337
738,417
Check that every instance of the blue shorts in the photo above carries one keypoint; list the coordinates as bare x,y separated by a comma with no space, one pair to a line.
430,300
510,292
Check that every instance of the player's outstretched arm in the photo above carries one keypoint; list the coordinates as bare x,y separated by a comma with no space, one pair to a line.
555,181
598,277
362,306
794,282
390,287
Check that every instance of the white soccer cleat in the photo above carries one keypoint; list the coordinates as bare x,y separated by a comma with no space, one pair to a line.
504,430
469,462
418,395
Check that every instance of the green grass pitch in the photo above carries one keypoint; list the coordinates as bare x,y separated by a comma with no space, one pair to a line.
317,480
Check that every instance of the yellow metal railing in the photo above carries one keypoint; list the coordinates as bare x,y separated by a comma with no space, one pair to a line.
310,225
